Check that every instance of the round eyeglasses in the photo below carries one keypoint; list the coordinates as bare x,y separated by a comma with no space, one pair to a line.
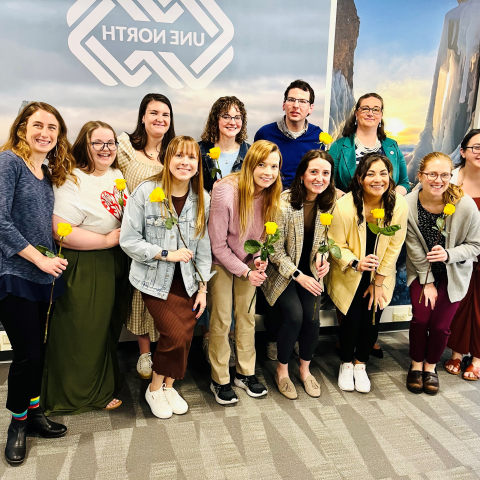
99,146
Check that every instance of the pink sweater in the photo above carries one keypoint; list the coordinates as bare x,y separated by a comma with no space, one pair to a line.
224,228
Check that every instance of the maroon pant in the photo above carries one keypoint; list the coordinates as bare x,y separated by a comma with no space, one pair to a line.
430,329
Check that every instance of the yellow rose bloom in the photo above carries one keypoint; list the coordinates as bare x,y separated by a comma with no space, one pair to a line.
449,209
120,183
64,229
325,138
378,213
157,195
271,228
326,218
214,153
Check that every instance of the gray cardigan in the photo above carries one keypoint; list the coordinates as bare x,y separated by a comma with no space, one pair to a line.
462,245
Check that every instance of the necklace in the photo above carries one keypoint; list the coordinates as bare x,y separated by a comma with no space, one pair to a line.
151,157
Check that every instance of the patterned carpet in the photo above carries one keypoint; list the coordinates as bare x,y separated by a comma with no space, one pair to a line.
386,434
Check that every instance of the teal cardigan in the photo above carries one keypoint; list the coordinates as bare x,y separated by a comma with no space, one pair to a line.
343,153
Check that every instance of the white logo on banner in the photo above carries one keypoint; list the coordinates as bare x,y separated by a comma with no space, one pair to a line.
166,64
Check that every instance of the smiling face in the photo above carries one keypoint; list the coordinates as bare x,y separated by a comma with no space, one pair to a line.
41,132
377,179
266,172
369,119
436,186
184,164
317,177
296,112
472,155
230,128
156,119
103,158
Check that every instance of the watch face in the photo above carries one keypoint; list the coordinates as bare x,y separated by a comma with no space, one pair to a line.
164,253
296,273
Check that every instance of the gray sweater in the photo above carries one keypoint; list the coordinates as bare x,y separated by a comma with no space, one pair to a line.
462,246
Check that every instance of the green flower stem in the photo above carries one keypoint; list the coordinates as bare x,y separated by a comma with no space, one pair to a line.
253,298
375,275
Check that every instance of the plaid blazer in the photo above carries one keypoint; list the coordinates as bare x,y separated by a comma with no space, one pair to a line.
288,249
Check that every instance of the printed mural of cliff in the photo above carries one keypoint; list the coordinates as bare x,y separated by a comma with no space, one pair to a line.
346,35
453,99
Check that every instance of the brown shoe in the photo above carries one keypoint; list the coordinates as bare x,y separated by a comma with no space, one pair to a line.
286,387
311,386
415,380
431,385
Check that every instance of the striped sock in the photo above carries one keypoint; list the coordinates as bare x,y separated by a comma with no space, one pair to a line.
20,416
34,402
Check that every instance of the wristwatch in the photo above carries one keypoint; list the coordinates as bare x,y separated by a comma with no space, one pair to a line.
354,264
164,255
296,273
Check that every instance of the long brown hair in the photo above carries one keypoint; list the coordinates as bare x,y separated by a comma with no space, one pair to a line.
389,197
60,158
256,154
298,192
81,147
453,193
186,145
351,124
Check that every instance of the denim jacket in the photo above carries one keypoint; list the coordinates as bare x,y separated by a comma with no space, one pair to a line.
209,164
144,235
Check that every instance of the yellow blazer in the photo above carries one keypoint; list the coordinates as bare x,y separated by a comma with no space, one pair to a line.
342,281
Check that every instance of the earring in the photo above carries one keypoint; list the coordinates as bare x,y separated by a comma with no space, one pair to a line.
196,174
355,120
56,150
301,181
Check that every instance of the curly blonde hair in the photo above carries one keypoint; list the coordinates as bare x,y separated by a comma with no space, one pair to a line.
60,159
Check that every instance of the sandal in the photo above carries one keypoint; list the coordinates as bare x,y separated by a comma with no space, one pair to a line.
455,363
114,406
474,370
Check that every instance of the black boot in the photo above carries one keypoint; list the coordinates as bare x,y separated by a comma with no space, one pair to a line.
38,422
16,447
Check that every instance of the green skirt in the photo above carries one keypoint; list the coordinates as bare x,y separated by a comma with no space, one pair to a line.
81,368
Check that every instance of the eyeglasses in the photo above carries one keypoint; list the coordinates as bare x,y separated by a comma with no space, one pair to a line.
99,146
229,118
475,148
301,101
375,110
432,176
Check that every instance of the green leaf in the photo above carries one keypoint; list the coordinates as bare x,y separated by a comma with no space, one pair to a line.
331,241
374,228
60,255
323,249
440,222
252,246
335,251
435,228
43,250
444,233
169,223
263,255
275,237
271,249
215,171
120,201
50,254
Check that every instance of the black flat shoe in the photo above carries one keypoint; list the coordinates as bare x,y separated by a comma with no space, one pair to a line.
377,352
16,447
39,423
415,380
431,384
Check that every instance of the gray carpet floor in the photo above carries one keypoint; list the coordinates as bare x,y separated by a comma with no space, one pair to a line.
386,434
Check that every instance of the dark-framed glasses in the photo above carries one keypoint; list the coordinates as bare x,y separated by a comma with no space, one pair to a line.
229,118
475,148
301,101
432,176
375,110
99,146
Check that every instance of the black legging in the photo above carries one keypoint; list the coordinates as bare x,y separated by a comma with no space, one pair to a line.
297,304
24,322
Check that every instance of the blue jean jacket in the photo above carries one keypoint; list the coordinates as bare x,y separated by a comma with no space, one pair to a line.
144,235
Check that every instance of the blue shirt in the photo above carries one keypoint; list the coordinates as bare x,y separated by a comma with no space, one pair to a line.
292,150
226,161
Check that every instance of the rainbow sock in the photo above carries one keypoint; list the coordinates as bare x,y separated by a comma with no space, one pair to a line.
34,402
20,416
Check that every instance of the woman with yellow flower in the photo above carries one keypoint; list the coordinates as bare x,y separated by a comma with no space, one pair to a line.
295,272
89,318
38,136
443,240
364,261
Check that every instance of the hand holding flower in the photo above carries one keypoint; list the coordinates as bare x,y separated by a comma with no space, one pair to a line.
260,265
322,266
437,254
214,154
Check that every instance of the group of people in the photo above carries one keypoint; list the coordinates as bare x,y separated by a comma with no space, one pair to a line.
157,242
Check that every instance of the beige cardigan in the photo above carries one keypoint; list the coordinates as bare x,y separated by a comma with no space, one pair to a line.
342,281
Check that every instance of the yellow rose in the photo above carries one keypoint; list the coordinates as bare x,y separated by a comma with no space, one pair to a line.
326,218
325,138
378,213
64,229
214,153
120,183
271,228
157,195
449,209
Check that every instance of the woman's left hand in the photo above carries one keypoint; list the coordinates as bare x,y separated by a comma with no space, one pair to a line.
379,296
437,254
259,265
200,301
322,269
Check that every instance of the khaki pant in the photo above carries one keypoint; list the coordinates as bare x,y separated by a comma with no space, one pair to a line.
224,289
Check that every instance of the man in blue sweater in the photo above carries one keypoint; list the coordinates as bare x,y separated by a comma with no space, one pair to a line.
293,134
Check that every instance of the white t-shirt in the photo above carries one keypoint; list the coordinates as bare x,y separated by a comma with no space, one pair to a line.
93,203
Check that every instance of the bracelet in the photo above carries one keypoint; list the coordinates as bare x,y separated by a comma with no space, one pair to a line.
202,291
249,272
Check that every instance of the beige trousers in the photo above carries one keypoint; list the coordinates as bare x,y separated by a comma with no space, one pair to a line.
224,289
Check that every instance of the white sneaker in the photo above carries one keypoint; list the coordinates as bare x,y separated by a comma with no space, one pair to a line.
362,382
296,349
158,403
272,350
177,403
205,347
144,366
345,377
232,360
